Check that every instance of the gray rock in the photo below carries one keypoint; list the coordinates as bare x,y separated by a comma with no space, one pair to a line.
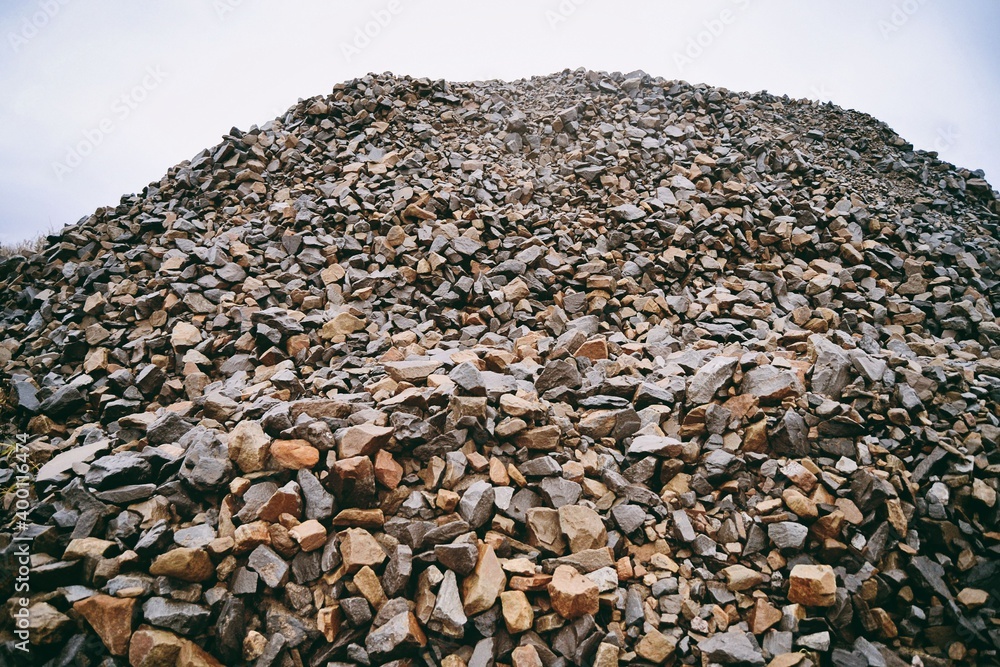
683,530
831,372
231,628
543,466
629,518
817,641
392,638
731,648
126,494
271,567
357,611
476,505
771,384
397,571
183,618
63,401
458,557
484,653
561,374
26,394
656,445
206,465
523,500
319,502
558,491
196,536
448,616
790,436
788,535
710,378
118,470
169,427
469,379
627,213
244,582
155,540
272,650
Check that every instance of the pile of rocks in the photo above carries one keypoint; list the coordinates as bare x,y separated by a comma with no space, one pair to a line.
586,369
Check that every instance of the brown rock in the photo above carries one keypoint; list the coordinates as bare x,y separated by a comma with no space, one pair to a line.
755,437
184,335
582,527
545,438
655,647
358,548
185,564
310,535
481,588
353,517
342,324
111,618
285,500
158,648
797,502
353,481
972,598
763,616
594,349
606,656
771,384
787,660
370,587
249,536
249,446
411,370
364,440
813,585
387,471
544,530
254,644
87,547
46,624
515,406
741,578
526,656
154,648
294,454
517,611
572,594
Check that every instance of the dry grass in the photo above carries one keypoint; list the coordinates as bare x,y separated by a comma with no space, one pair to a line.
25,248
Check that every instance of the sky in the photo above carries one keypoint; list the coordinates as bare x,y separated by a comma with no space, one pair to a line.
100,98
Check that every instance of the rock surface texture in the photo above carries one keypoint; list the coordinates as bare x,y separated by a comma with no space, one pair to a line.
582,369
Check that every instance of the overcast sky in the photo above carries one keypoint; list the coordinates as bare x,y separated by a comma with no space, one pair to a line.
100,97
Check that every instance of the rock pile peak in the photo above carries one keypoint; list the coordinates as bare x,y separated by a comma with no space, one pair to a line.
583,369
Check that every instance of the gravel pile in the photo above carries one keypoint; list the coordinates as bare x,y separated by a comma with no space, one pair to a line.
586,369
